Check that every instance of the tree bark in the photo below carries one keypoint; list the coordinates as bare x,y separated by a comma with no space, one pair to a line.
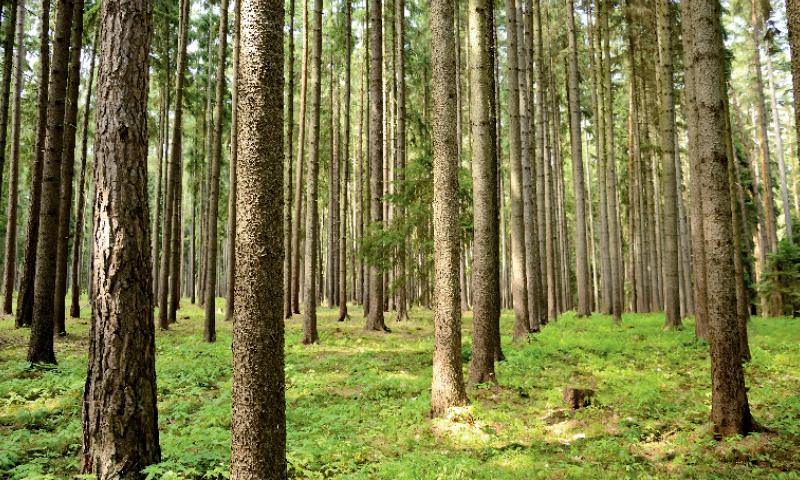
289,151
231,267
5,86
120,419
258,436
346,164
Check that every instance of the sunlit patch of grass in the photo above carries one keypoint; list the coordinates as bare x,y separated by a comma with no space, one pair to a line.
358,404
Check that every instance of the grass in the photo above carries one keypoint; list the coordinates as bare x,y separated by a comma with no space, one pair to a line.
357,404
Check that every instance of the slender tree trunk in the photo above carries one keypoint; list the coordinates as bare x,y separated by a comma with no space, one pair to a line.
231,267
258,436
163,154
5,86
348,20
25,296
210,332
298,187
400,151
40,349
120,419
729,407
289,151
776,125
310,334
447,388
173,175
10,267
375,319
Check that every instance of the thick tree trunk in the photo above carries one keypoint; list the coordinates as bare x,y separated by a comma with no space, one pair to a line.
10,267
447,389
210,332
40,349
25,296
120,420
310,334
258,436
68,170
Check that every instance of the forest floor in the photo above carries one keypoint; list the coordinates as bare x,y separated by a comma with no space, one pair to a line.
357,404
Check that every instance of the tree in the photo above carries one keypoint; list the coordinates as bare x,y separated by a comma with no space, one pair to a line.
400,150
485,248
447,388
375,317
348,20
258,423
581,259
729,407
793,24
40,349
287,228
231,271
310,334
210,334
13,177
120,420
5,86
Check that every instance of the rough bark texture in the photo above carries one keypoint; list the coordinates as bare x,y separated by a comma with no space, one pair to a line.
310,334
258,449
289,150
231,267
40,348
375,319
793,24
10,266
68,170
77,244
729,408
210,332
346,164
25,296
120,420
447,389
5,86
485,248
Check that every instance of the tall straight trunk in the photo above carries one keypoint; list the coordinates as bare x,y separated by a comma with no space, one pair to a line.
776,125
173,175
763,141
299,178
729,407
310,334
230,271
10,266
40,349
160,180
685,246
258,436
163,154
334,205
68,169
210,332
25,295
400,150
485,249
176,263
667,136
120,418
358,202
793,26
5,83
521,321
348,25
581,259
447,388
289,151
375,319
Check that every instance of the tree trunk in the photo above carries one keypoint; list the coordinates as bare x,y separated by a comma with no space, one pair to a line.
776,124
68,170
231,267
210,332
258,436
298,186
447,389
729,408
10,267
40,349
120,420
25,295
310,334
289,150
5,86
346,164
173,184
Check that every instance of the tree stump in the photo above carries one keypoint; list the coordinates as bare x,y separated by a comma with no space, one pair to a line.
578,397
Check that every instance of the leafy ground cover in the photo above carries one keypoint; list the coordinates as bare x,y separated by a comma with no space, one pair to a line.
357,404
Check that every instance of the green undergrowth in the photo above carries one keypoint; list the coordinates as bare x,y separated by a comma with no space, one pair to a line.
357,404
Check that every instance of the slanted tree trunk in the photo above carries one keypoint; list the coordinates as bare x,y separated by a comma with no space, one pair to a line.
729,408
485,248
173,176
672,306
210,332
68,170
258,433
40,349
10,267
447,389
120,419
25,296
375,319
231,267
310,334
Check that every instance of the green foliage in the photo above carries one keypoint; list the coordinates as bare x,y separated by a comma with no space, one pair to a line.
782,276
357,404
